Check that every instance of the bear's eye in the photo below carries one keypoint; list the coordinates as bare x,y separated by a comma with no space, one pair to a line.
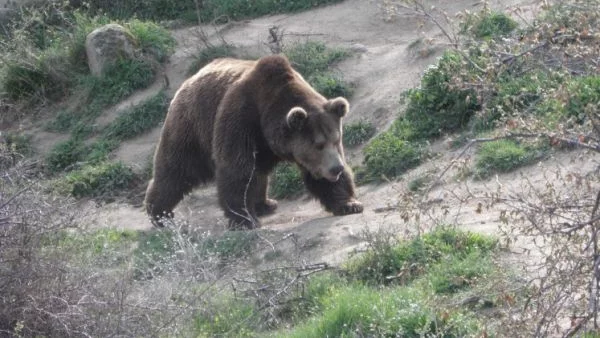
320,146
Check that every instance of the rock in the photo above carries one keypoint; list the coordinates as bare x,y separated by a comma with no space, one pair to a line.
105,45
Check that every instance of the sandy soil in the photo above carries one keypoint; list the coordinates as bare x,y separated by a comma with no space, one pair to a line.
383,66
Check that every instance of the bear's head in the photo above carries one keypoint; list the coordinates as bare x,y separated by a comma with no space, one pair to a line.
298,123
315,138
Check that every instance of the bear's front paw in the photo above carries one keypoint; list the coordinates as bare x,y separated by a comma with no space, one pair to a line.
350,207
266,207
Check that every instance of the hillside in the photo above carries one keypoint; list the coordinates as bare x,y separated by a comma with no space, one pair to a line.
390,51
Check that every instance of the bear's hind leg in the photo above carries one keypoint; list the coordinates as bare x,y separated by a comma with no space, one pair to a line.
337,197
264,205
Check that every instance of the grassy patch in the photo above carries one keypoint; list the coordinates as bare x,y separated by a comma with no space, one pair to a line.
103,179
357,133
504,156
209,10
65,154
18,143
388,155
313,60
392,261
286,181
439,106
488,24
139,119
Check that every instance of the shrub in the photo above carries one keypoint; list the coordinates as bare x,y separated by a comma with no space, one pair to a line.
357,133
390,156
405,260
100,180
64,154
313,58
489,25
153,39
18,143
286,181
438,105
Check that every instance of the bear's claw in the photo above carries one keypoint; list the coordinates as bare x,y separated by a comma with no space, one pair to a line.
351,207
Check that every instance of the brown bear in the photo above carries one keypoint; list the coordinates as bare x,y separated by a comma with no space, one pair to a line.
235,120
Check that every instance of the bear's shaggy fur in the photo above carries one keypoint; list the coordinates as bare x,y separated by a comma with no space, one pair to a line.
234,121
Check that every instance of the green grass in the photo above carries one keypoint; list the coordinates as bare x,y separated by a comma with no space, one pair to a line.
314,60
18,143
98,180
138,119
65,154
286,181
404,261
357,133
210,9
389,156
506,155
438,106
489,25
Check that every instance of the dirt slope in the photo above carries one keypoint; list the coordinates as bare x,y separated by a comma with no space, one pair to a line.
383,66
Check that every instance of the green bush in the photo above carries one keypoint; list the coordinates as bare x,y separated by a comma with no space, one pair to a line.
390,156
330,85
18,143
583,97
313,58
153,39
438,105
103,179
458,273
405,260
286,181
357,133
505,155
64,154
490,25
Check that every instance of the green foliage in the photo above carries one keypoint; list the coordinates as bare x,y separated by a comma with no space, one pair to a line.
489,25
458,273
358,311
65,154
208,11
312,57
139,119
209,54
330,85
286,181
229,317
438,105
100,180
389,155
234,244
406,260
583,97
357,133
153,39
504,156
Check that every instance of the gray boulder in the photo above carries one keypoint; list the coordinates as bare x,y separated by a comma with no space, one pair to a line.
106,44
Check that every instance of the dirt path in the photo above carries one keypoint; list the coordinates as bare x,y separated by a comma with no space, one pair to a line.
382,67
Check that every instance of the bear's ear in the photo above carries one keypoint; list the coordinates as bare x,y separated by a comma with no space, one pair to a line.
296,118
338,106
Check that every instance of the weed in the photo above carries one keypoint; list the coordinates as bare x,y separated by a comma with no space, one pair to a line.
152,38
100,180
504,156
65,154
139,119
458,273
394,261
312,58
438,106
357,133
330,85
418,183
489,25
389,156
286,181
